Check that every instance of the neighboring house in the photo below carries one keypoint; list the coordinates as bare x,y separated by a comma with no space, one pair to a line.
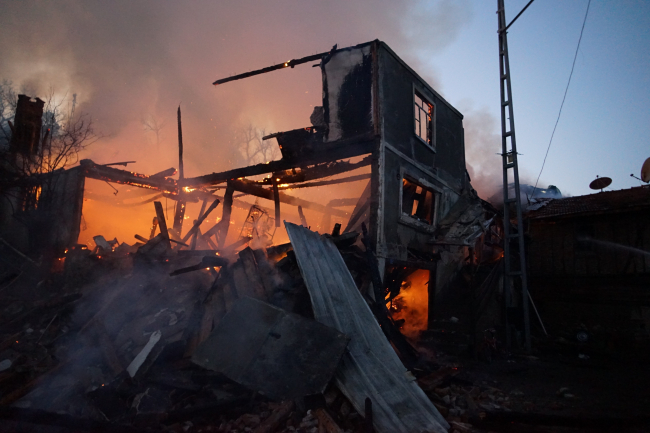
589,262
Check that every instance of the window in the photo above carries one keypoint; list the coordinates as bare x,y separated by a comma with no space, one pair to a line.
418,201
423,115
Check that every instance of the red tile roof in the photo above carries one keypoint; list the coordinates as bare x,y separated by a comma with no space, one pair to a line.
602,202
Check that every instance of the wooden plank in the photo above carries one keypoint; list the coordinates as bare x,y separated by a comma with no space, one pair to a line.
329,152
258,191
225,216
202,217
370,367
193,242
161,221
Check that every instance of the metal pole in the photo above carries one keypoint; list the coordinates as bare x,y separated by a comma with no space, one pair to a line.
509,161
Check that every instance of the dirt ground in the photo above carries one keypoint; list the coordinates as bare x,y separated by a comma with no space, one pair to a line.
561,393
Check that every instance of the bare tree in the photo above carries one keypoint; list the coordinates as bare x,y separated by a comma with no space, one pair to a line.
8,100
64,133
151,124
253,149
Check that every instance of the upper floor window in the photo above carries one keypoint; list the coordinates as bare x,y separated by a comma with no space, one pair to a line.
423,116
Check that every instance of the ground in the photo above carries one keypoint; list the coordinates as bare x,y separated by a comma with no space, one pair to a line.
558,393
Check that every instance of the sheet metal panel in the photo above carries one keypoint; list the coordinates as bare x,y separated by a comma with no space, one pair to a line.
370,367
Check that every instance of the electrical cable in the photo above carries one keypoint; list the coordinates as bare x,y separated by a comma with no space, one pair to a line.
563,99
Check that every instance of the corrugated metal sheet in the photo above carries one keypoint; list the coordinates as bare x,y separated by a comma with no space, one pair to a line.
370,367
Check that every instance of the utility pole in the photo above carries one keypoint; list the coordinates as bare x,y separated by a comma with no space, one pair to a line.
515,270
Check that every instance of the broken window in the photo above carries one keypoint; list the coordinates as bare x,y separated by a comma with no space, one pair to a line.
418,201
423,116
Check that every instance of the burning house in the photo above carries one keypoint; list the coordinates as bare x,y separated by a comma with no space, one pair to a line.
312,307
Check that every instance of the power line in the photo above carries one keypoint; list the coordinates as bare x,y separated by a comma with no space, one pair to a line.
564,98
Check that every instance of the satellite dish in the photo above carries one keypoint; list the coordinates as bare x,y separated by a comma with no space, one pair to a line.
645,171
600,183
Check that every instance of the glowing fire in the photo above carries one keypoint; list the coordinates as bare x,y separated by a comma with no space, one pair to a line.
412,304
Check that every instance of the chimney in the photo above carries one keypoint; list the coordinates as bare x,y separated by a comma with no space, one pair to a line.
27,125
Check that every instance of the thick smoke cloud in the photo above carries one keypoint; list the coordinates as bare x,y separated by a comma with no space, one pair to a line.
483,154
130,60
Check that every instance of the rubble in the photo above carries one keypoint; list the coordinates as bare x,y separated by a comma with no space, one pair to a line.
348,327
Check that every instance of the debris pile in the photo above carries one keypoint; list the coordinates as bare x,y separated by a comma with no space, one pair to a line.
150,337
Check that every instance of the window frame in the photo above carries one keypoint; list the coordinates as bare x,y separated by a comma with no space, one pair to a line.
406,217
417,91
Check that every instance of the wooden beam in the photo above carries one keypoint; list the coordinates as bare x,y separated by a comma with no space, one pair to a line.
276,200
179,216
202,218
331,182
301,214
161,221
319,171
327,153
193,242
258,191
225,217
288,64
115,175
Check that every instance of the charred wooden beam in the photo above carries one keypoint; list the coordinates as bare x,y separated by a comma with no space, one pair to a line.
320,171
163,174
225,217
115,175
339,202
179,216
258,191
202,218
301,214
329,182
206,262
161,220
287,64
329,152
203,205
276,201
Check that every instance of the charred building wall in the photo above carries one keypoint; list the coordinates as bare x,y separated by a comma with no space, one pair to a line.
418,162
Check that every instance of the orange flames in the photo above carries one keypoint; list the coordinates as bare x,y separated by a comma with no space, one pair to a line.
412,304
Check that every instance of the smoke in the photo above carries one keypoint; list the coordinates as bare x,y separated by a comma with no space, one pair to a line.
482,149
129,61
483,154
131,64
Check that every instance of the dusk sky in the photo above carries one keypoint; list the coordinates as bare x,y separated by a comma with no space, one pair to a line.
131,60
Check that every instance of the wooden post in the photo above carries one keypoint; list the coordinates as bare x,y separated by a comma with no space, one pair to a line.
276,199
225,218
161,221
179,216
303,220
193,242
